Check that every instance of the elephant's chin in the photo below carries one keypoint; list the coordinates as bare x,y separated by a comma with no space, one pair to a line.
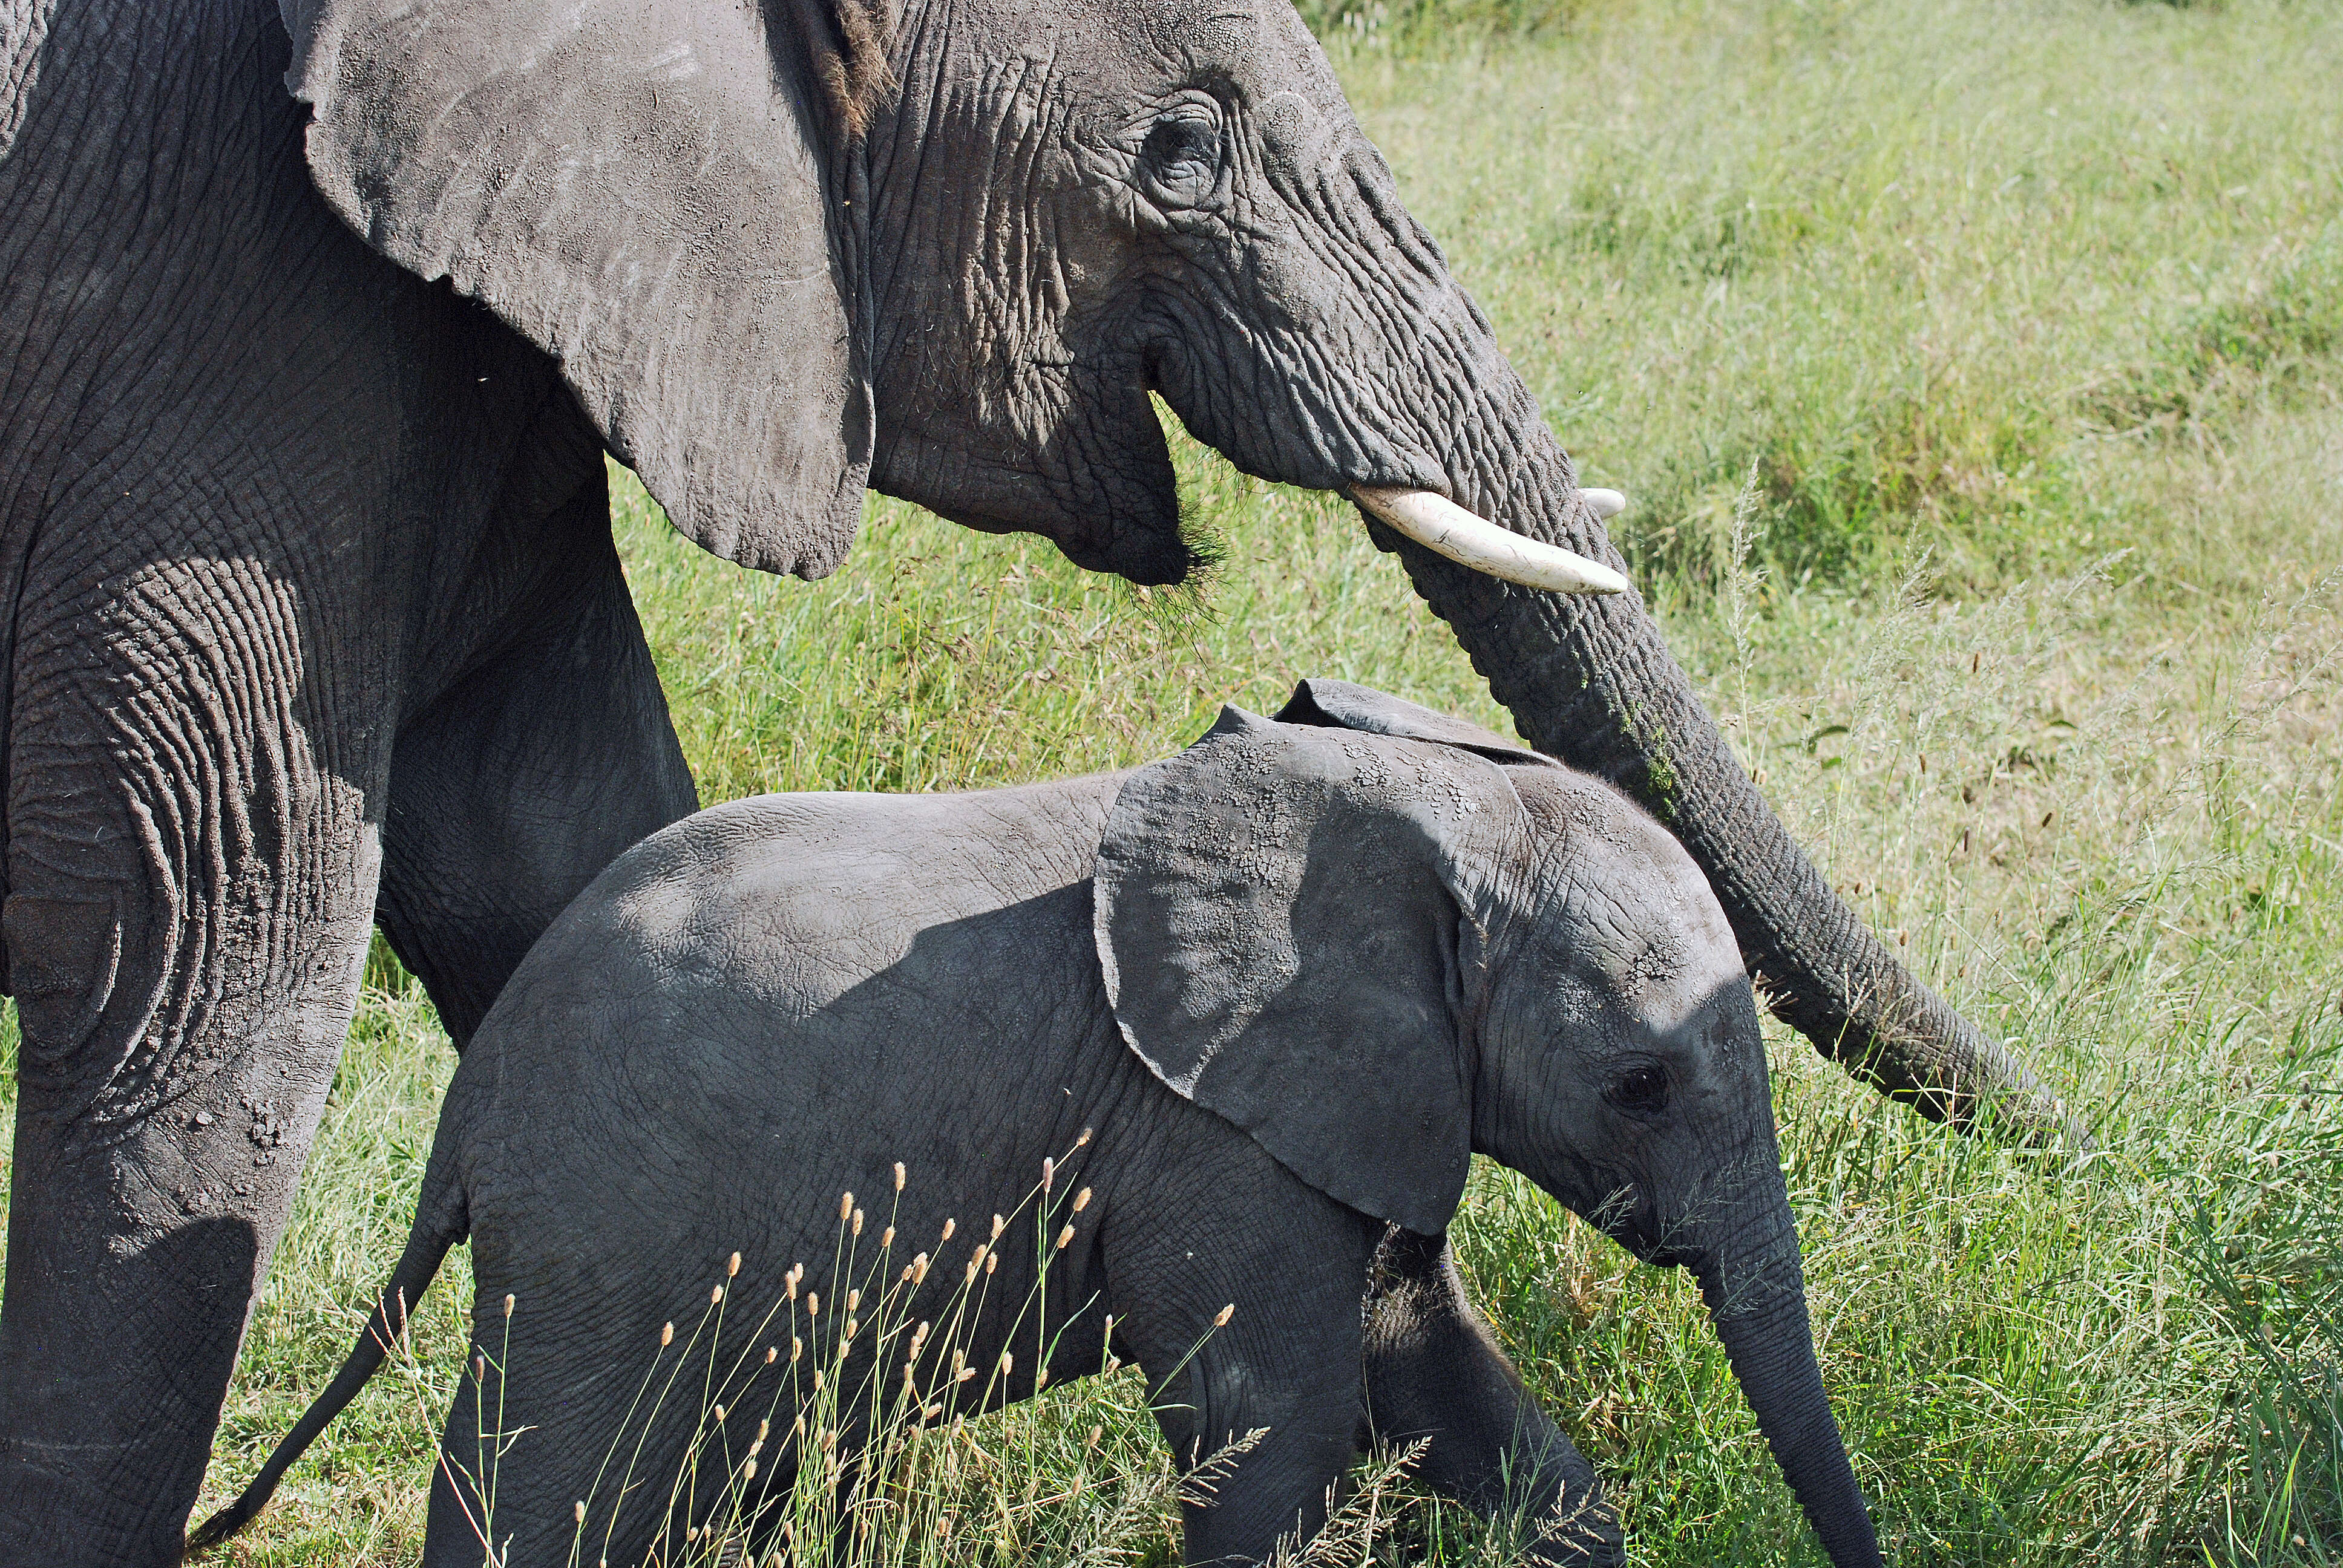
1101,487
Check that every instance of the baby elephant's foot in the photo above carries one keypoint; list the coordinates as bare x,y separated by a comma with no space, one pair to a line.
1433,1372
1577,1529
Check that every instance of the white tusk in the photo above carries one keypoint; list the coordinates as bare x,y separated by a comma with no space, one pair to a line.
1607,504
1440,525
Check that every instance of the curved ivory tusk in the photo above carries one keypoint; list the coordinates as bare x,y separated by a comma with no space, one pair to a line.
1607,504
1440,525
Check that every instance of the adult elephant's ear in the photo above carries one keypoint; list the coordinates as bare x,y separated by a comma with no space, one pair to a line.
652,191
1292,923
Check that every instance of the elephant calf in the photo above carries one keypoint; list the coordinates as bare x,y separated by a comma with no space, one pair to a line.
1257,1004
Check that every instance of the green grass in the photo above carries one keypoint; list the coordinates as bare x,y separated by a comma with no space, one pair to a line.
1974,372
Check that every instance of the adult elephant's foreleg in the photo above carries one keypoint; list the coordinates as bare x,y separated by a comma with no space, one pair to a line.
515,787
190,884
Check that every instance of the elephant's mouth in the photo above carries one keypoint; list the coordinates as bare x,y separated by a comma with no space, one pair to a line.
1100,486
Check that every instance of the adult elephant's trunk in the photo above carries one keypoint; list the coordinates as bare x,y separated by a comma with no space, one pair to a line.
1756,1298
1588,681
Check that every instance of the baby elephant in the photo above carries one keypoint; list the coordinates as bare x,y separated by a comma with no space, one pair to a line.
1181,1066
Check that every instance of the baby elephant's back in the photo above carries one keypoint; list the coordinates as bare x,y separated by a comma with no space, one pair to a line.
769,999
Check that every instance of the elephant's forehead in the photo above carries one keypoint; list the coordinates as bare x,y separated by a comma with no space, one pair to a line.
1641,914
1260,47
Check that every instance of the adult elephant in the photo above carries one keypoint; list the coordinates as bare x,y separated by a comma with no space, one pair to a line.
314,619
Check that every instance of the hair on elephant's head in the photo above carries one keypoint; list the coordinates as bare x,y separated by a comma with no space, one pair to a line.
1380,941
783,248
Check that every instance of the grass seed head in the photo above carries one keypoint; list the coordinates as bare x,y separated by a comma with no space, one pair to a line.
857,1222
1048,1174
999,1225
899,1175
732,1267
580,1510
748,1471
853,1300
772,1355
991,1261
813,1304
886,1237
715,1295
950,1226
667,1335
1220,1318
919,1268
1065,1236
508,1305
846,1206
1081,1200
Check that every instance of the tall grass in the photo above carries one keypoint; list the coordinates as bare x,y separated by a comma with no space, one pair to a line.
1973,370
1915,263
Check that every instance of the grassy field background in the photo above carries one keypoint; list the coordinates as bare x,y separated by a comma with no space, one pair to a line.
1974,371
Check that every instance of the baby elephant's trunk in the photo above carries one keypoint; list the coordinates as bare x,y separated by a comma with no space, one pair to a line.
1757,1300
440,1223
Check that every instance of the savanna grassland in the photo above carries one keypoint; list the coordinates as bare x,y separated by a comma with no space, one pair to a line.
1976,372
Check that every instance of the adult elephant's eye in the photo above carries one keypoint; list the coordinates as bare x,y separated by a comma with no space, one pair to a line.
1181,162
1642,1089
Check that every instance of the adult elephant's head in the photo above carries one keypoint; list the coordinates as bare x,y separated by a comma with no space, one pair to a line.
786,247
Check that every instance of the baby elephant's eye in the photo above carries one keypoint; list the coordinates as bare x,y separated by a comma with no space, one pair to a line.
1643,1088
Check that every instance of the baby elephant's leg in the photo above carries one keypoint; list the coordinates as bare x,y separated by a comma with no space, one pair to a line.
1433,1370
1262,1408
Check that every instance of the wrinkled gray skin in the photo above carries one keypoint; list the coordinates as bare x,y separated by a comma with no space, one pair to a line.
313,622
771,1003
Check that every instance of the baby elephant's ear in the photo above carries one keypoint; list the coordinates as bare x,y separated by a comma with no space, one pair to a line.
1292,922
1345,705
